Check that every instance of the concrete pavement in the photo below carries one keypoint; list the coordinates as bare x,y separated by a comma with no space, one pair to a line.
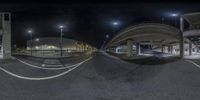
106,78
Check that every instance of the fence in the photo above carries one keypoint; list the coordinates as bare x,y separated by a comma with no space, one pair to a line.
51,53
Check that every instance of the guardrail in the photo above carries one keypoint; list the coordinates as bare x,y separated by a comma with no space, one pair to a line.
51,53
194,32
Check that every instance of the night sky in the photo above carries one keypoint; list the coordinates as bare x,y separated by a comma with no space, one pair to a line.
86,21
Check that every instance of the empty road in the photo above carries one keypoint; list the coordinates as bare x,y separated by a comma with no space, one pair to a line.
100,77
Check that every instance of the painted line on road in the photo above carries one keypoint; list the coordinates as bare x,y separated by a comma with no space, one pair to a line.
44,78
43,65
111,56
193,63
31,65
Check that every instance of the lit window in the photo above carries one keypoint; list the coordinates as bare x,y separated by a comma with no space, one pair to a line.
36,47
51,47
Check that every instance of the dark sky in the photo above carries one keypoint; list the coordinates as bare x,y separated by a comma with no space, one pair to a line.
86,21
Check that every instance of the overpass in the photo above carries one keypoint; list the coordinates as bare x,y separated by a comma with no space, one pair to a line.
157,37
192,33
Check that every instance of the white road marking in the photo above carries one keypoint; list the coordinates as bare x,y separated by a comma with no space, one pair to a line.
111,56
52,62
31,65
193,63
43,78
43,65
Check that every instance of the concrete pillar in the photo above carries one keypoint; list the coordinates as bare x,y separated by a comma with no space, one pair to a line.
195,49
129,48
172,49
181,44
190,48
181,24
162,48
168,49
6,38
138,48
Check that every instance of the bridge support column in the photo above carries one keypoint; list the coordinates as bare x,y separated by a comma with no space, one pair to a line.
181,44
138,48
197,49
181,47
129,48
162,48
190,48
171,49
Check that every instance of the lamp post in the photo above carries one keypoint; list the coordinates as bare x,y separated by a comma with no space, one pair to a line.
61,39
175,15
31,44
115,24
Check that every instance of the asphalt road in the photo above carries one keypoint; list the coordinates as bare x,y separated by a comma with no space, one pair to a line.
103,78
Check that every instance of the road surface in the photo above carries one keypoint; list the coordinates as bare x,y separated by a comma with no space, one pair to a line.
102,78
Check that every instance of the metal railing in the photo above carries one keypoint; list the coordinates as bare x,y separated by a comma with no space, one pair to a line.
51,53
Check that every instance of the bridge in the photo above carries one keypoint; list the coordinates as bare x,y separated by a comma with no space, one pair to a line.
159,37
183,41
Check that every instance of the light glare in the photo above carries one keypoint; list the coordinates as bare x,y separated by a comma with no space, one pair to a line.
30,31
37,39
174,15
115,23
61,26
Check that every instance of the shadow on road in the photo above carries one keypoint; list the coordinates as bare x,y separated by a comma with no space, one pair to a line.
152,60
112,69
147,60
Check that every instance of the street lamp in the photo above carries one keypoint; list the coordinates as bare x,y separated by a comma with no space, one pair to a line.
175,15
107,36
104,42
61,39
115,23
31,33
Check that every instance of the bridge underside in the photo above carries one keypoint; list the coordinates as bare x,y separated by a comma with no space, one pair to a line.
148,39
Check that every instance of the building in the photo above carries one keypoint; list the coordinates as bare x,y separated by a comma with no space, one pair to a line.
52,43
50,46
5,35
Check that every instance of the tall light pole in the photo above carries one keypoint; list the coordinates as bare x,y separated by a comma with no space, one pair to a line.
175,15
115,24
61,39
31,44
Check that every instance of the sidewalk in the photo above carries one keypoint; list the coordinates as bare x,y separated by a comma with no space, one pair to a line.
196,56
